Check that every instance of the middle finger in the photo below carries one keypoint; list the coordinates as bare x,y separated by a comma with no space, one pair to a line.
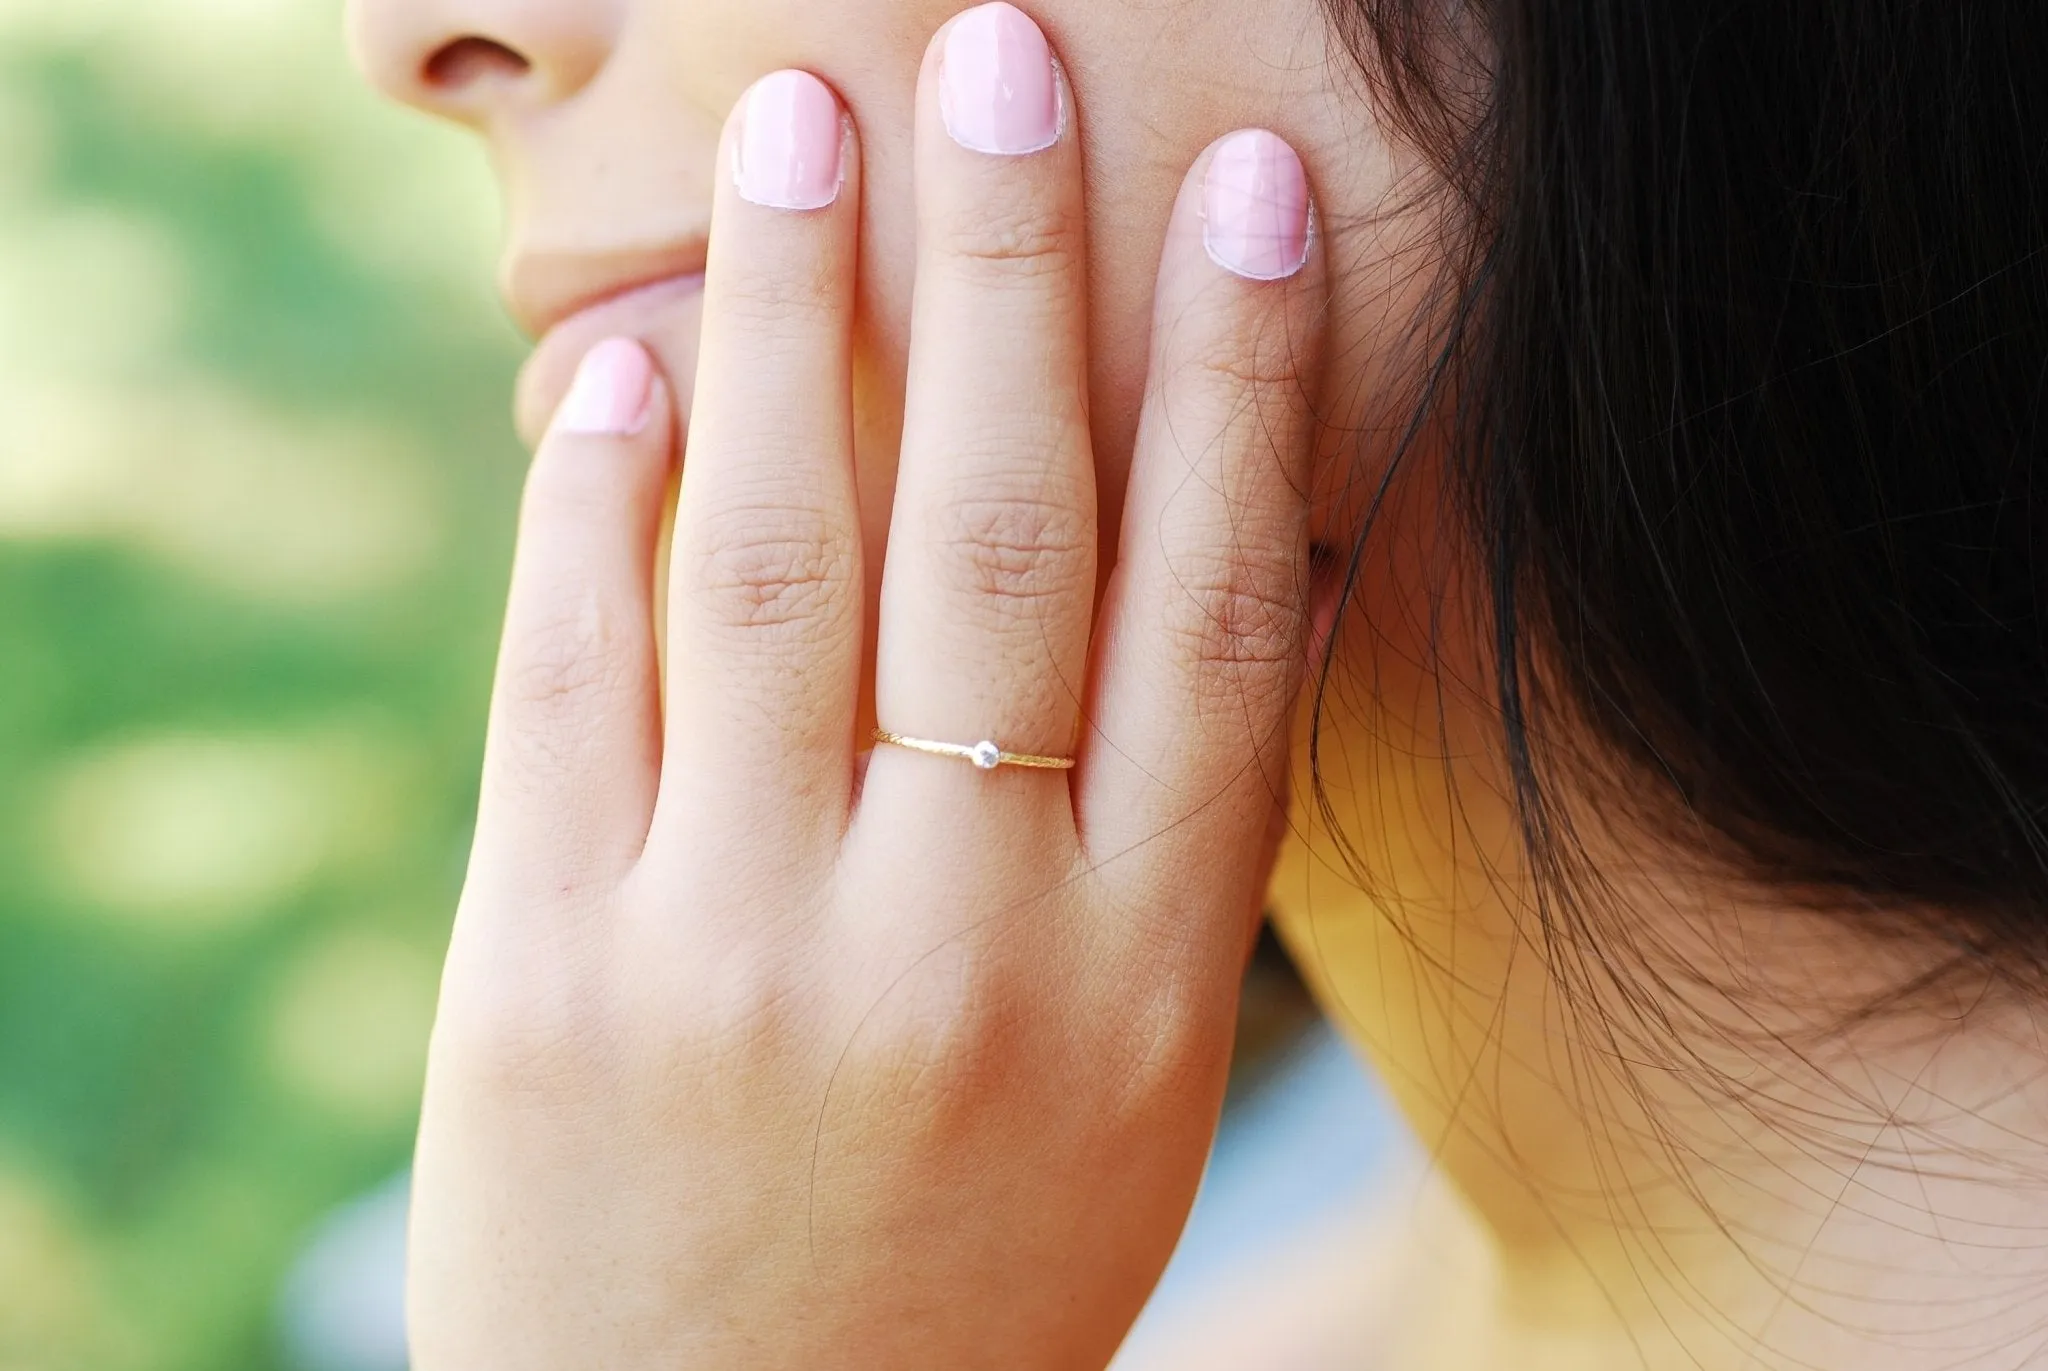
989,588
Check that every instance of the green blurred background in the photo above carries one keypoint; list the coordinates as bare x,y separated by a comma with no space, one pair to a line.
256,484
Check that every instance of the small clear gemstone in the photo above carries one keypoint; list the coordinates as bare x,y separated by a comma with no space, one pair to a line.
987,756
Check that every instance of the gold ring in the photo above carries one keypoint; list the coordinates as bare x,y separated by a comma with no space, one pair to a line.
986,755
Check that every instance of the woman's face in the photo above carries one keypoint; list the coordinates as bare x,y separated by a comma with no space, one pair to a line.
603,117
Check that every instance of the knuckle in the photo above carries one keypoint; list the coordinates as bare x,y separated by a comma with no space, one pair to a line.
787,296
1168,1050
747,1023
1016,552
530,1028
1253,371
567,655
1240,621
786,570
1013,239
566,669
942,1047
1235,351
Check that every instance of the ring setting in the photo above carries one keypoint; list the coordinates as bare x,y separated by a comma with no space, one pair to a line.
987,755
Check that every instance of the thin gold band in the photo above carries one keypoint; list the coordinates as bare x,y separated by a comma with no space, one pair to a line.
986,755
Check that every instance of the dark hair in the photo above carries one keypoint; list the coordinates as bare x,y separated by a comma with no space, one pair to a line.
1743,361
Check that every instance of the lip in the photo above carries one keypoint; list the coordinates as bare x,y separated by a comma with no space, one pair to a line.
545,289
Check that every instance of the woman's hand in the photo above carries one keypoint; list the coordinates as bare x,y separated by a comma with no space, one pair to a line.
747,1056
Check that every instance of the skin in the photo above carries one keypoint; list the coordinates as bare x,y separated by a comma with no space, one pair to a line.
736,1067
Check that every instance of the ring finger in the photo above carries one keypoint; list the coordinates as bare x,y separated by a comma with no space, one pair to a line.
989,588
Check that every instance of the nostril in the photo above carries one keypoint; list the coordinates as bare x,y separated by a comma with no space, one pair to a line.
466,61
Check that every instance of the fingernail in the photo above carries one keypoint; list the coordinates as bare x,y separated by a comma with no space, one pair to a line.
792,144
997,90
1256,207
613,392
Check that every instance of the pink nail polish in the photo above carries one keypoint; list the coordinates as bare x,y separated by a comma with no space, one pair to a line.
1256,207
792,144
997,88
613,392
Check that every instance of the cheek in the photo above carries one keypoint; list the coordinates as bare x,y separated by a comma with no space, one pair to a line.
1125,267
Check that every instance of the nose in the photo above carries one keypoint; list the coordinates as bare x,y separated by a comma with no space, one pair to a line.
474,61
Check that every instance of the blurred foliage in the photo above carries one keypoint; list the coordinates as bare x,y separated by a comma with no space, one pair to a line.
256,482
